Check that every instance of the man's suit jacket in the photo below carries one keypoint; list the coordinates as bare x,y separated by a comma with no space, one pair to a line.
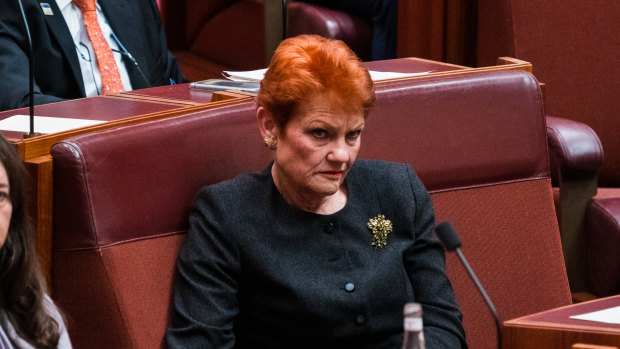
256,272
57,71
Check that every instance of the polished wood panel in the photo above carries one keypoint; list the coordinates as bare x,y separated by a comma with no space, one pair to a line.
41,207
441,30
590,346
555,329
420,29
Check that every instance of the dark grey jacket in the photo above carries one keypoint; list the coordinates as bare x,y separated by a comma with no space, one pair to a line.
256,272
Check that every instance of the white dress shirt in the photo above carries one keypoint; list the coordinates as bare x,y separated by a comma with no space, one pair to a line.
84,48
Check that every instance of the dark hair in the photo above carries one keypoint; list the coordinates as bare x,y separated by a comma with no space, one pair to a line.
22,287
310,64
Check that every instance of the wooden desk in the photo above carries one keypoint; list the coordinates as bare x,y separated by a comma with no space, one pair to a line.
116,110
555,329
441,69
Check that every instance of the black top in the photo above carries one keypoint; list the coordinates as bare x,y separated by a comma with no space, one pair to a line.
256,272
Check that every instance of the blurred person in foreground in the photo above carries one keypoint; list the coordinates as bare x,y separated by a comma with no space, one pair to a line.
319,250
28,317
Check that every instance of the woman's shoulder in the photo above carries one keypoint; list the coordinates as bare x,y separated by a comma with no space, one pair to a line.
372,167
245,180
52,310
390,179
63,341
237,190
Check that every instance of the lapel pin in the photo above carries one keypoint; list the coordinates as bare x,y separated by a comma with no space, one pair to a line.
47,9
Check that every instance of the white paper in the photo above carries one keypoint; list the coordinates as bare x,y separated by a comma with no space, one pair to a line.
257,75
43,124
250,75
609,316
382,75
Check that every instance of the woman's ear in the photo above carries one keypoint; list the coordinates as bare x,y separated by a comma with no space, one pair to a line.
266,123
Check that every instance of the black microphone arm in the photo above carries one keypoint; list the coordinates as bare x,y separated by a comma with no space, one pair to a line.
284,20
30,70
450,239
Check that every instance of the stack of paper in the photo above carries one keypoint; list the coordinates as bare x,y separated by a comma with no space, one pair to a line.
257,75
251,75
44,124
610,316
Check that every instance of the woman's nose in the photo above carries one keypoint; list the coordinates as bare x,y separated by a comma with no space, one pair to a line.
338,152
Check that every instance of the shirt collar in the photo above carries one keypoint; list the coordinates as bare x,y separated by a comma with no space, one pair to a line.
62,4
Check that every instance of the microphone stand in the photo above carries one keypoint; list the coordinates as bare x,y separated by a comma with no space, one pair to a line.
30,73
284,14
451,242
470,271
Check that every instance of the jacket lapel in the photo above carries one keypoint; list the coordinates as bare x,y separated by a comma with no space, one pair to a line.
121,19
58,28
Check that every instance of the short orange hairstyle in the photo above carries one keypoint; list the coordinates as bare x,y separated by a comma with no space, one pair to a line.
306,65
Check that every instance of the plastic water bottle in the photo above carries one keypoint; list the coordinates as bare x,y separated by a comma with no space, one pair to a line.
413,336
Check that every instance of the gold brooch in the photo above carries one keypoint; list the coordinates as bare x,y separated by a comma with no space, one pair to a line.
380,228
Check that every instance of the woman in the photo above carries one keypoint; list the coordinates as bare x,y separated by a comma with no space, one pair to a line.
318,250
28,318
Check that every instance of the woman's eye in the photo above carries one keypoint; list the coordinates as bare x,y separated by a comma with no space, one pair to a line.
318,133
354,134
4,196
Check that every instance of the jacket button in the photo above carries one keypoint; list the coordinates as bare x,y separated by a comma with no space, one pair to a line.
360,319
349,287
330,227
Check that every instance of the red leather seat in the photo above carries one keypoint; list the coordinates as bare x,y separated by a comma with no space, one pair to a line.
312,19
602,245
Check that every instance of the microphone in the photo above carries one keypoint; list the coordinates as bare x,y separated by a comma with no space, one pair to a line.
284,21
451,242
30,72
123,51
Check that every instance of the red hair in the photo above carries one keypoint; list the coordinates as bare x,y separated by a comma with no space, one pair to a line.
306,65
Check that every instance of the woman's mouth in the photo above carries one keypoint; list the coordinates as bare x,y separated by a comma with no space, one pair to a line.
332,174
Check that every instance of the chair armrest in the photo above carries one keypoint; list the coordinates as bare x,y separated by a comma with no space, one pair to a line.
574,144
576,154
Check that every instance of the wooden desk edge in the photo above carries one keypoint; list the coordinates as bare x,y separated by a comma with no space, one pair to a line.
505,63
41,145
597,327
545,325
151,99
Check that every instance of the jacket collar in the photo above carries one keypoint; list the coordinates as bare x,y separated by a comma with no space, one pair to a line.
58,28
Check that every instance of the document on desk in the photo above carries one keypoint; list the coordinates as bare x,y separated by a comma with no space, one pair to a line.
257,75
609,316
43,124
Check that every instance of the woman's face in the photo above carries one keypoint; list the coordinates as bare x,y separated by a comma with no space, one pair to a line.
6,207
317,148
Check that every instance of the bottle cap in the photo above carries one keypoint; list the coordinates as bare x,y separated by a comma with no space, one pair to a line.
412,309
